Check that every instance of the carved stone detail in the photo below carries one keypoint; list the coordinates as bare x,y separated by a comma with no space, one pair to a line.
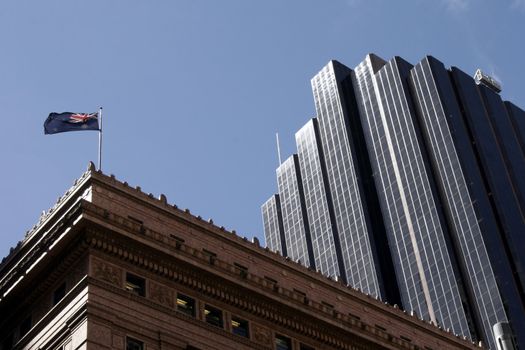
107,273
262,335
161,294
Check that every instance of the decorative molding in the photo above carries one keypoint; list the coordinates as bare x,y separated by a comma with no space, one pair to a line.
161,294
360,335
106,272
262,335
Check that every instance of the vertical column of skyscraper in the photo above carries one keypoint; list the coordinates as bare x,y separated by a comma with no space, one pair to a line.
499,184
517,116
473,227
415,226
333,98
295,221
507,141
273,224
327,257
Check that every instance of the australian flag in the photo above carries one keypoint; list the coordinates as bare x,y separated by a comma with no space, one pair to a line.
67,121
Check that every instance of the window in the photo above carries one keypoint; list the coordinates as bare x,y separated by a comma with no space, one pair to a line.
282,342
381,328
269,279
186,305
135,284
240,327
178,241
213,316
59,293
25,326
134,344
243,270
305,347
210,255
7,344
354,316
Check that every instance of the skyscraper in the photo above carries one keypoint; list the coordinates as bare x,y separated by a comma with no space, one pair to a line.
421,168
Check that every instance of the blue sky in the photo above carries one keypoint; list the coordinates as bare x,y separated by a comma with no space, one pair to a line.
194,90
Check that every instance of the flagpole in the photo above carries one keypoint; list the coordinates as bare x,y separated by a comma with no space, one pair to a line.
100,139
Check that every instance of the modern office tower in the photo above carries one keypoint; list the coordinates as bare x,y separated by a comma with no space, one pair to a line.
432,162
473,224
273,225
416,229
298,241
496,174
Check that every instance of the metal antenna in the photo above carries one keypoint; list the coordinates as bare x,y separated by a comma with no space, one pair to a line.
278,147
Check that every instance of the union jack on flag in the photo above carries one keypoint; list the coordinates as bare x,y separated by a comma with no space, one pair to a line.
82,117
67,121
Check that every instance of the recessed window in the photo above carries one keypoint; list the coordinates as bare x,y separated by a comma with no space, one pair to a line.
7,344
134,344
240,327
305,347
186,305
269,279
213,316
25,326
59,293
327,304
135,284
243,270
282,342
380,327
211,256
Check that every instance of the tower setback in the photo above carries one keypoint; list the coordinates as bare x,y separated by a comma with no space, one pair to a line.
424,175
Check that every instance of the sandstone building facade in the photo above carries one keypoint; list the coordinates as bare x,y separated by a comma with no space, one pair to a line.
110,267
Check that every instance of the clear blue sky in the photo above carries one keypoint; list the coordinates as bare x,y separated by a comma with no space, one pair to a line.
194,90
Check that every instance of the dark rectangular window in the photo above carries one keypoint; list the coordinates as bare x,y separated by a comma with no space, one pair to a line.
134,344
177,238
282,342
299,292
243,270
213,316
186,305
354,316
406,339
59,293
240,327
269,279
25,326
7,344
330,306
305,347
136,284
210,255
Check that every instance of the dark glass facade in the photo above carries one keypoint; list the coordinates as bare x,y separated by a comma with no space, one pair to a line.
295,220
326,254
414,191
273,224
411,208
335,107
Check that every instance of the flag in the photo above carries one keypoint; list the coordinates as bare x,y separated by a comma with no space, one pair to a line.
67,121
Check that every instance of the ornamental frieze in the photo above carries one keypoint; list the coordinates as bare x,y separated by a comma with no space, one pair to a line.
106,272
161,294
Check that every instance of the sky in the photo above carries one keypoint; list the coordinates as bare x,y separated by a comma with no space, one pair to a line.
194,90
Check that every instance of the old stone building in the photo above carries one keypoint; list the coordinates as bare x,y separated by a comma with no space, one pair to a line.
110,267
